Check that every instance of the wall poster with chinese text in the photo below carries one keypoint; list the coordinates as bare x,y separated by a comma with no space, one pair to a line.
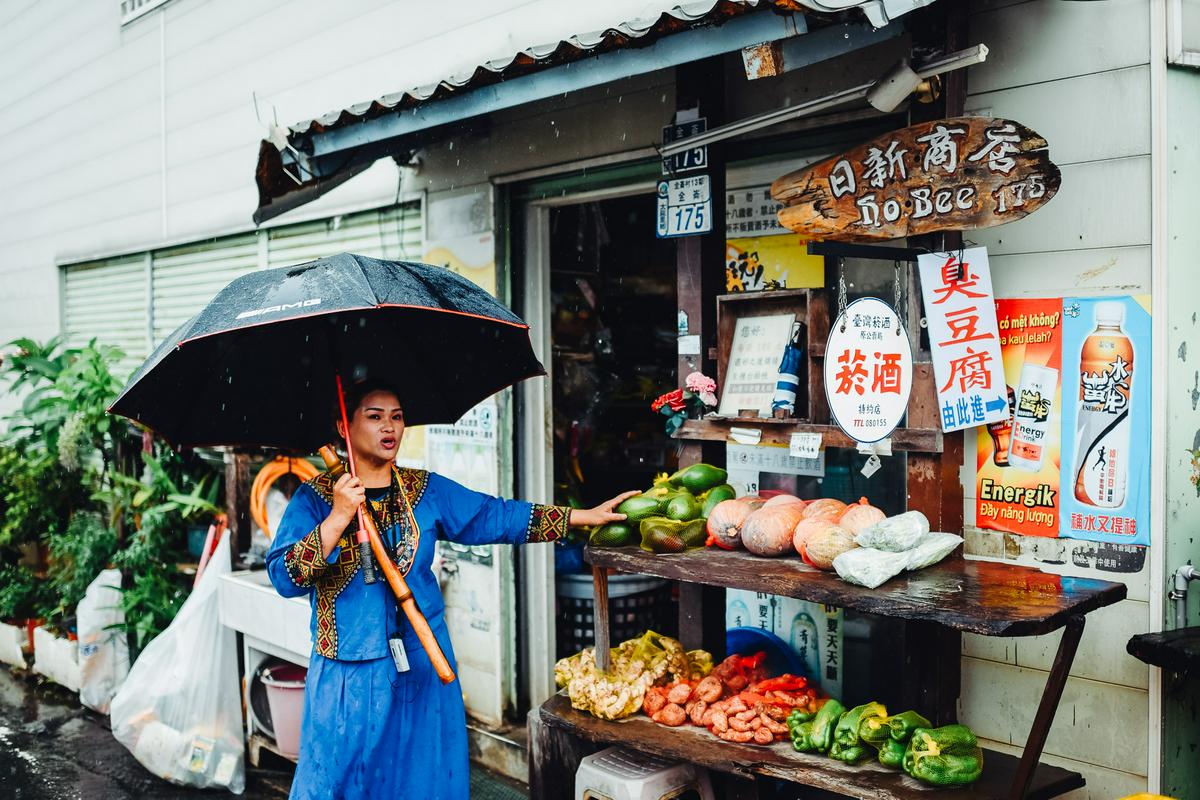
1021,495
759,251
1106,419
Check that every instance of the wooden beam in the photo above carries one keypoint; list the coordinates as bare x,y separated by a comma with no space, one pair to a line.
237,500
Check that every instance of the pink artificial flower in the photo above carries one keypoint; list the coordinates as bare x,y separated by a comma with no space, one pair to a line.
708,398
699,383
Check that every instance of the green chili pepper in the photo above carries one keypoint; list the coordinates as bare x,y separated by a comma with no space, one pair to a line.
945,756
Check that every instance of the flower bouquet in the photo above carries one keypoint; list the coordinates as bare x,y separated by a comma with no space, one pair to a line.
697,396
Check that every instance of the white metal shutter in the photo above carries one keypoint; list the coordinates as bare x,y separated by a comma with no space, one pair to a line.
106,301
187,277
392,233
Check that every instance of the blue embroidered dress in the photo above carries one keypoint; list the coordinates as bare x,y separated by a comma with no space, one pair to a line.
368,730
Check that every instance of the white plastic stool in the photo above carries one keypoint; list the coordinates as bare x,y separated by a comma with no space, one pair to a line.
620,774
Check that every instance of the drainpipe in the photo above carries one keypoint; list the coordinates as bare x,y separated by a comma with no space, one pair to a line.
1178,595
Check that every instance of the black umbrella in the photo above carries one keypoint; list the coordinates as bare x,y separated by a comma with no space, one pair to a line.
257,365
264,363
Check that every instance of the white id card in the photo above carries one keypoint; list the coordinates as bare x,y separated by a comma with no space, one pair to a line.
396,645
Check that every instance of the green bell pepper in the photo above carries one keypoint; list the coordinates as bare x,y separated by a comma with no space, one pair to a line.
846,731
874,730
891,754
902,725
849,753
945,756
816,735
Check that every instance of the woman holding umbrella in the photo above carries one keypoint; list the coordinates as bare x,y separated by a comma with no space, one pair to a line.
377,720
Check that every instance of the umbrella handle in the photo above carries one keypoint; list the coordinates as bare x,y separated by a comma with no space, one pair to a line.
399,586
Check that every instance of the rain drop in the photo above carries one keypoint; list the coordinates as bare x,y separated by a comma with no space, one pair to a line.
451,147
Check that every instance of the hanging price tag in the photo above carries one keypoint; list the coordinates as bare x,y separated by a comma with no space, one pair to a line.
805,445
872,466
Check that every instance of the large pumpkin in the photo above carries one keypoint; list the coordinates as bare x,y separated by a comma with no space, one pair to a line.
768,531
822,547
859,516
725,523
826,507
784,500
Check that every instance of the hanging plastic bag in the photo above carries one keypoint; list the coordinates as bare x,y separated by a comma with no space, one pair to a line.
179,711
866,566
895,534
932,548
103,650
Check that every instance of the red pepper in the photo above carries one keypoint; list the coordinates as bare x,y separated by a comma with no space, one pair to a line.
784,683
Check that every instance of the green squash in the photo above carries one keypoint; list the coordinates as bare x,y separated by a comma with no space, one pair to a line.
639,507
614,534
699,478
718,494
683,507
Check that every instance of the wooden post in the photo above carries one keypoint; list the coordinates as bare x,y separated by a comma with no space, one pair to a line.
700,272
932,653
237,500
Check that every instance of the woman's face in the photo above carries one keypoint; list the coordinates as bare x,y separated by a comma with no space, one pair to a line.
377,426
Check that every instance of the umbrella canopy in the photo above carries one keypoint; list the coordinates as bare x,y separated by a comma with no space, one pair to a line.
257,365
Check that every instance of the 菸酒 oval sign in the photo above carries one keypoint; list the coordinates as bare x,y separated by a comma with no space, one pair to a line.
950,174
868,370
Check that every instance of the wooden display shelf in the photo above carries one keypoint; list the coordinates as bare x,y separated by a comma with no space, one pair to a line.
984,597
868,780
779,431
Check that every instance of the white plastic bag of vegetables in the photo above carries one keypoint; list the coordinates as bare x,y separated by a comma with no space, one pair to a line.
895,534
103,648
869,567
179,710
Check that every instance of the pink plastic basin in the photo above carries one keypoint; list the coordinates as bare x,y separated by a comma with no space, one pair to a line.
285,696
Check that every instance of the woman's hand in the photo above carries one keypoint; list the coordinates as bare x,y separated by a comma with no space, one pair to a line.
601,514
348,494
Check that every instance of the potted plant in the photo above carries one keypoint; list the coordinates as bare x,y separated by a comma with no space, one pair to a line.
24,598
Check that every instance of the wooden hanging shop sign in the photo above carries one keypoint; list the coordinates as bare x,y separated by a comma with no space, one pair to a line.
951,174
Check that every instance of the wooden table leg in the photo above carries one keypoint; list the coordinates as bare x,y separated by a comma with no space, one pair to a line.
600,626
932,670
1051,696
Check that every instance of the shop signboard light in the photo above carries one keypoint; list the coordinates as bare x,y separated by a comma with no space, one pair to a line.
964,338
868,370
962,173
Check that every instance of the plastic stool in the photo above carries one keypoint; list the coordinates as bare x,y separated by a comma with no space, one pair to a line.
620,774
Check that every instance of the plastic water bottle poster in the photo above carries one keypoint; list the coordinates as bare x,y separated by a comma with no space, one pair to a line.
1018,467
1106,419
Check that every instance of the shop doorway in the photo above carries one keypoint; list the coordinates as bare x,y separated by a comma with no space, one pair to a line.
598,289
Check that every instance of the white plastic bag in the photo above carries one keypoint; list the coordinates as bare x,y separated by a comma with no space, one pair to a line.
932,548
895,534
179,711
103,651
869,567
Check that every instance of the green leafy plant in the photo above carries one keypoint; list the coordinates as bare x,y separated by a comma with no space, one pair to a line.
36,496
23,595
153,592
77,555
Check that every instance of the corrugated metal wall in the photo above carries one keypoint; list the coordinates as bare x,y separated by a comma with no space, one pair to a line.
1077,73
107,301
135,301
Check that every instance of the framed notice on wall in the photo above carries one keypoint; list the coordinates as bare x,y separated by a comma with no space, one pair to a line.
753,367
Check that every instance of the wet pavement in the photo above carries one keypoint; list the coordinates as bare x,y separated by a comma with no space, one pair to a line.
53,749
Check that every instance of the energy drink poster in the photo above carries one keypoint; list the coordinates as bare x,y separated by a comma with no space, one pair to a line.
1106,420
1019,458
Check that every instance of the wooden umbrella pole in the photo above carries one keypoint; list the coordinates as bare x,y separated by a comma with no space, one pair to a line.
404,596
